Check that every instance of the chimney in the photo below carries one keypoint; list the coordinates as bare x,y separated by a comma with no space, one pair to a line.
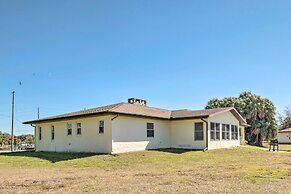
137,101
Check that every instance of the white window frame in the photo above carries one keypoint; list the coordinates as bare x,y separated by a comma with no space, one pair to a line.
195,130
151,130
215,131
228,131
79,126
225,128
101,126
234,132
71,128
223,132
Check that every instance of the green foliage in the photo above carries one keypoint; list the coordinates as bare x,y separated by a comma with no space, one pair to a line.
29,139
5,139
285,120
259,112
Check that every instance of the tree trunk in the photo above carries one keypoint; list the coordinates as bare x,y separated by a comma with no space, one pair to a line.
259,140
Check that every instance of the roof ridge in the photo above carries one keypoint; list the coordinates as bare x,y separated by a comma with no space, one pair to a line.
228,107
116,104
181,109
149,107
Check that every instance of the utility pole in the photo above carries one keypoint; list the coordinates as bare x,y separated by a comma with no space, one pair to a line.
12,128
37,112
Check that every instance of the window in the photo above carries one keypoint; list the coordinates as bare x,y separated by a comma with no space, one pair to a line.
234,132
225,131
53,132
214,131
101,126
79,129
150,130
198,135
69,128
39,133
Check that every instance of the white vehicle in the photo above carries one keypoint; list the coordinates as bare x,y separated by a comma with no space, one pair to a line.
25,146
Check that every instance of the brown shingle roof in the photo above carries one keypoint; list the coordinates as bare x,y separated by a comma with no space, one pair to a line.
92,111
139,110
134,109
176,114
288,130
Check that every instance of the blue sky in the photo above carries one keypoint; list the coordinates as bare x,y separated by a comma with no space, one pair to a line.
69,55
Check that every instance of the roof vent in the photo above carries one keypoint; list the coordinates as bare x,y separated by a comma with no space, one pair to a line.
137,101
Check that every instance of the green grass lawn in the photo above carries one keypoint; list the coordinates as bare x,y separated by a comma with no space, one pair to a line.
285,147
239,170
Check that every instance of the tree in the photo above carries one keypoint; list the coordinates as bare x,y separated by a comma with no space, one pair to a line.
6,138
285,120
28,139
259,113
1,139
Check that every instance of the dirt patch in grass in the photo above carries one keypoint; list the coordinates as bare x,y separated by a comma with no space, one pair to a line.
240,170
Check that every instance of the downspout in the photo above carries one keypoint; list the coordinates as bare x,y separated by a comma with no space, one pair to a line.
114,117
206,148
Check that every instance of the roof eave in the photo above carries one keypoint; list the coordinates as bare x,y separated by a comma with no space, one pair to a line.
190,117
62,118
90,115
245,125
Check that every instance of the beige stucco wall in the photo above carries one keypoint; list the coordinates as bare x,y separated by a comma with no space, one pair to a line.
284,137
130,134
89,141
182,134
124,134
223,118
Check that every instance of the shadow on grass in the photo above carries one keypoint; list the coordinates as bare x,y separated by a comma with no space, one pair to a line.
176,151
53,157
283,150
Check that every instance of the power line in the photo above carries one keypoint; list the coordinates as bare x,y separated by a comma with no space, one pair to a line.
15,118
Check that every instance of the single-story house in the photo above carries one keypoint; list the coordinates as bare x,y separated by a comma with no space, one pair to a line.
134,126
284,136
